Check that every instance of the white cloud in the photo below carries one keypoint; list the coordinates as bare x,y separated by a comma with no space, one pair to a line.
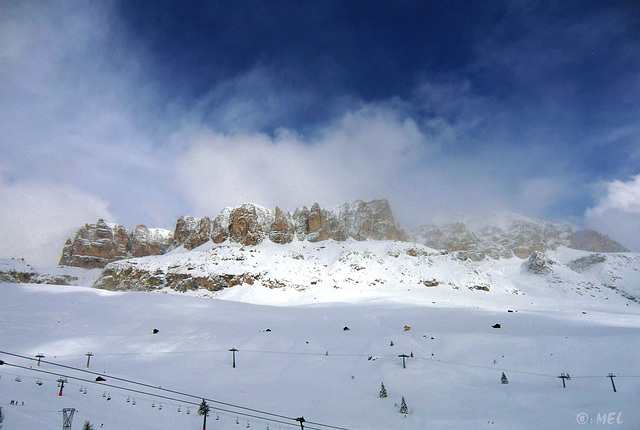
371,153
360,156
76,108
617,211
36,219
619,196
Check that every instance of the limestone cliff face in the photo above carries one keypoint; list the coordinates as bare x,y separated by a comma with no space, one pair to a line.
96,245
145,241
251,224
192,232
282,228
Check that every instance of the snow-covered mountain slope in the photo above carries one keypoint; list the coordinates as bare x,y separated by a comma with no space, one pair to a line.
305,272
299,361
502,235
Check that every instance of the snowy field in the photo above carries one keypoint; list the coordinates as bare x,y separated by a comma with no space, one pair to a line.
297,360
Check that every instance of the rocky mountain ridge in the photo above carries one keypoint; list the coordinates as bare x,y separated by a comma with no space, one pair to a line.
509,235
96,245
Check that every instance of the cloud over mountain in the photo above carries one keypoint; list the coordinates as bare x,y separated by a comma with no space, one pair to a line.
156,112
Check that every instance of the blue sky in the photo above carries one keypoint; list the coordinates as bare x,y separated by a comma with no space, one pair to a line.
140,112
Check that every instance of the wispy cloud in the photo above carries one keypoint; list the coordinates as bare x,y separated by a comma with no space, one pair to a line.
78,131
37,216
617,211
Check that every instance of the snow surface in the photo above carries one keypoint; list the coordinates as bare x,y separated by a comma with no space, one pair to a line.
295,358
352,271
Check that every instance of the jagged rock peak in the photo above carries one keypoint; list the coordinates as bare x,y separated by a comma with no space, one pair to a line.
505,235
191,232
251,224
96,245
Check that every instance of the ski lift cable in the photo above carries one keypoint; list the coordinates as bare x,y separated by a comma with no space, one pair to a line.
485,367
325,354
151,386
153,395
157,388
103,384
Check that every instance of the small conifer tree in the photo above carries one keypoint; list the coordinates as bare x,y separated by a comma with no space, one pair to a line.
204,411
504,379
383,391
403,407
87,426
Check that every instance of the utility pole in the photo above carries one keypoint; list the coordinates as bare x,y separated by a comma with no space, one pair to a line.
611,375
61,382
89,355
67,417
40,356
233,351
564,377
301,420
404,366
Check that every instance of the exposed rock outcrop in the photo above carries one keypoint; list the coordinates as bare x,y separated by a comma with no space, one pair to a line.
249,224
148,241
18,271
317,227
282,229
96,245
585,263
192,232
125,277
538,263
